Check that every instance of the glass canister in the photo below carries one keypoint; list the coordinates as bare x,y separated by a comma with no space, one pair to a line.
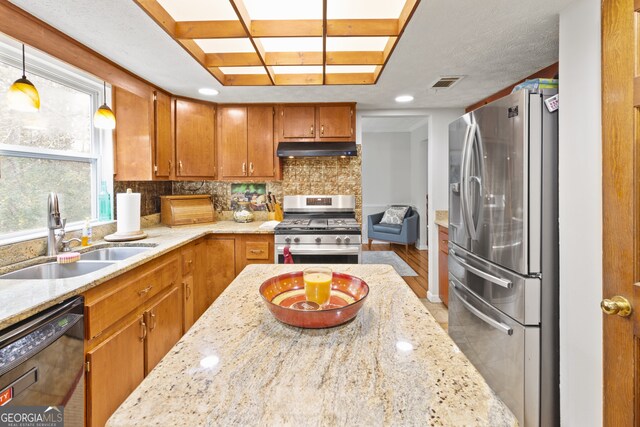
243,212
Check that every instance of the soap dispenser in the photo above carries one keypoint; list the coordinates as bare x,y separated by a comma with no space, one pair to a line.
104,203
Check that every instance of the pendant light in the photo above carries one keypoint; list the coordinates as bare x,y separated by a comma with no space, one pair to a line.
104,117
23,95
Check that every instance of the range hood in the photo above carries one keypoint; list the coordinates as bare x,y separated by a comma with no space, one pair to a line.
316,149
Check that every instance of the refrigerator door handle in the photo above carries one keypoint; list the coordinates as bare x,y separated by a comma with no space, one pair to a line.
467,219
491,278
480,315
469,179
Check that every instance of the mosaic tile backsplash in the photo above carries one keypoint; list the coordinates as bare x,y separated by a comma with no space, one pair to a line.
305,176
324,175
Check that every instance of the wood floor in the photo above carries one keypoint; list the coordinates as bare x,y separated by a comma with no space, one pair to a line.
417,259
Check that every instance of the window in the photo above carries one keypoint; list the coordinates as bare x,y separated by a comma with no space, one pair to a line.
55,149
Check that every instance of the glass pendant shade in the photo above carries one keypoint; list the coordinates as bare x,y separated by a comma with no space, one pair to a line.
104,118
23,95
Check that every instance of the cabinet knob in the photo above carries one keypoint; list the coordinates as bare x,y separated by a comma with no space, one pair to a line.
143,330
144,291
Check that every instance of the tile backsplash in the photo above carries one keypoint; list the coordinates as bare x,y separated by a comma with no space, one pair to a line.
150,192
304,176
324,175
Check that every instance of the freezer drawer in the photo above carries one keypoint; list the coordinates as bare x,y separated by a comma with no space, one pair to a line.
506,353
515,295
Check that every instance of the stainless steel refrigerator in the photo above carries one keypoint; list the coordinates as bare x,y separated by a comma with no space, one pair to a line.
503,250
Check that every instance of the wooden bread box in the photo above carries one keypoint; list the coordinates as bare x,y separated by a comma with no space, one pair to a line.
186,210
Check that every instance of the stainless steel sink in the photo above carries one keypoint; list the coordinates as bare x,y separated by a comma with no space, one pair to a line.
113,254
53,270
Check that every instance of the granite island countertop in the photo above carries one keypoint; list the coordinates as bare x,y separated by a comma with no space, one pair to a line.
392,365
20,299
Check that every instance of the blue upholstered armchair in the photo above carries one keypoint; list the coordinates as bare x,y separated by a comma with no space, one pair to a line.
405,233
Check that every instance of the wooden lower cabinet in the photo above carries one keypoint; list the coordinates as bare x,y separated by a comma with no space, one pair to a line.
214,270
115,368
253,249
443,264
133,320
164,327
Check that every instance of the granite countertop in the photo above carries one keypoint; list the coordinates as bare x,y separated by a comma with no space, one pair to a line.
442,219
392,365
20,299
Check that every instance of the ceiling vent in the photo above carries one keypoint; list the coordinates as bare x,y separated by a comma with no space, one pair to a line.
446,82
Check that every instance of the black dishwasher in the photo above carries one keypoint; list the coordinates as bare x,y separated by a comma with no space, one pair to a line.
41,362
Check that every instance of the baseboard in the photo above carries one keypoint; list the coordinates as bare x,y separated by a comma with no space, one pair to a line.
433,298
422,247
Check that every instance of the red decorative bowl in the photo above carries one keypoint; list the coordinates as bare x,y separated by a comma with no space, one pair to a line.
284,296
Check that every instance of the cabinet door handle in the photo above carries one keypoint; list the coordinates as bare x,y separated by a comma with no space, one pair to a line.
143,330
180,167
153,320
169,167
144,291
445,242
190,262
311,130
322,130
244,168
250,168
188,291
256,251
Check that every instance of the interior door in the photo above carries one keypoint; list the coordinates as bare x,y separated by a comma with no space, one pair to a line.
621,214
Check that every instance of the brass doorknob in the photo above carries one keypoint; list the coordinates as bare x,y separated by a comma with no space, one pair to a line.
616,305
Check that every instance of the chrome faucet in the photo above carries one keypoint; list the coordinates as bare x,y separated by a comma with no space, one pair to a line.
54,222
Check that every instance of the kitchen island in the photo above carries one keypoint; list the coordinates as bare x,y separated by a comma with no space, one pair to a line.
391,365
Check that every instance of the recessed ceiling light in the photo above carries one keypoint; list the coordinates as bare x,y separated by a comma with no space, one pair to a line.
404,98
208,91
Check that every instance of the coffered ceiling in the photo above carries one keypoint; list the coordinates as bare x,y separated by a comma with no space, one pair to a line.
492,43
286,42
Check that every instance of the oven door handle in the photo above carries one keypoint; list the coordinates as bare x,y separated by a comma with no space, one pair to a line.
320,251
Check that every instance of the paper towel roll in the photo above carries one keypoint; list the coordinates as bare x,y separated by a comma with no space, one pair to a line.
128,212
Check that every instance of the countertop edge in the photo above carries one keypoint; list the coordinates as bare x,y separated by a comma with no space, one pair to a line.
170,239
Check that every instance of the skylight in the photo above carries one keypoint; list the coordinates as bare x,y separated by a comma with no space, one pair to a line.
286,42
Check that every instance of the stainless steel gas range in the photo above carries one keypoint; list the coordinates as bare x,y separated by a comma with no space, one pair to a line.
319,229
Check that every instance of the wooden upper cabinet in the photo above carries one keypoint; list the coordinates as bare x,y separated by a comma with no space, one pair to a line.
163,135
260,145
335,121
133,145
298,122
317,122
245,141
233,141
195,148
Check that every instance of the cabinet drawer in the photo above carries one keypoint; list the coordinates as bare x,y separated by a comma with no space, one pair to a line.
133,291
443,239
188,258
257,250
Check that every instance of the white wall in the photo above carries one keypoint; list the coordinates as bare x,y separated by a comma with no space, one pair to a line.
386,172
580,215
438,185
419,178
